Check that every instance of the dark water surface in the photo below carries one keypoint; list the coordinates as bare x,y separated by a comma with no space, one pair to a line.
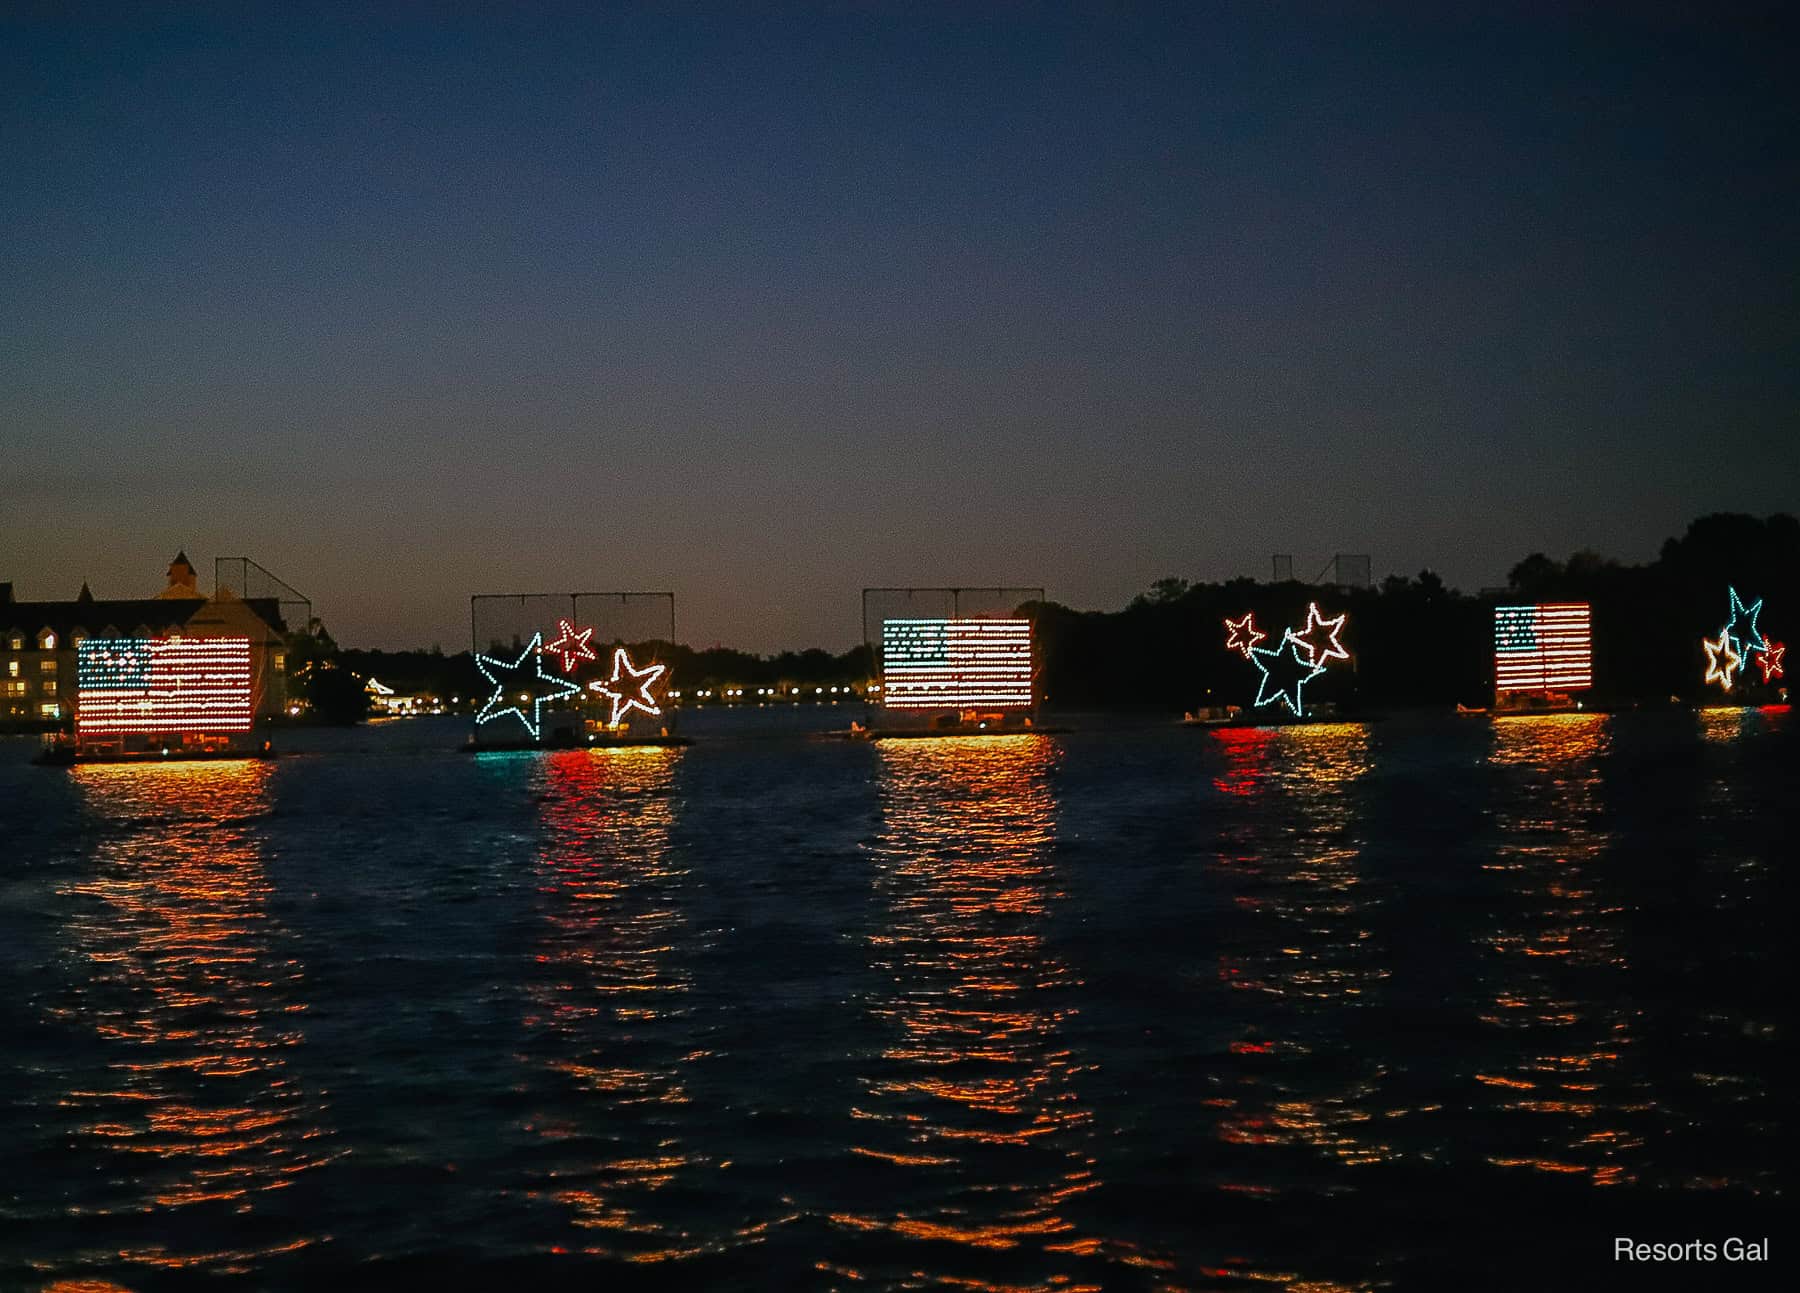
1426,1004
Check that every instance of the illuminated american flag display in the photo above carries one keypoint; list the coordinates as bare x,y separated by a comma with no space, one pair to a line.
163,685
1543,648
953,664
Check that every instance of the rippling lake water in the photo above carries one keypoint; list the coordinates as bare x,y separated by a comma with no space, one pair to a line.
1424,1004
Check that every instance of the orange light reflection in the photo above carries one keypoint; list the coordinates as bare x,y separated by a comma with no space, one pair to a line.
1560,1093
197,1002
1304,946
606,1016
971,1106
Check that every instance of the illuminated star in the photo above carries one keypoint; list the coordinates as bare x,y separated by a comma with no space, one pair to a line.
1244,634
624,681
572,646
514,684
1715,671
1294,676
1769,659
1332,649
1738,640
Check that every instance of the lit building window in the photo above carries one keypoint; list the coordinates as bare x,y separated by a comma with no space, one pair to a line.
47,642
18,644
12,668
50,687
50,710
46,666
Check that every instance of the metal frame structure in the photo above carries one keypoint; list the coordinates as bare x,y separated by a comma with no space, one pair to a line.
1345,564
575,600
271,587
558,605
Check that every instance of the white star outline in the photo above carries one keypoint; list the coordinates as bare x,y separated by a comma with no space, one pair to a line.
1733,661
1333,649
642,679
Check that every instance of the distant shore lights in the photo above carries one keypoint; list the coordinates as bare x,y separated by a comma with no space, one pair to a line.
956,663
157,686
1548,647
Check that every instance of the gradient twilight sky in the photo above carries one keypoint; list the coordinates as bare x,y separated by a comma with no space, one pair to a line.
413,302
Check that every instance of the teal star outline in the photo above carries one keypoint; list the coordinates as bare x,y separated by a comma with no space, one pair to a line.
1290,645
1755,642
534,724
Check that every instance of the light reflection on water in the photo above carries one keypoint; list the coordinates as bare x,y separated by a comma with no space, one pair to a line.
1738,892
1725,723
195,1119
1108,1010
610,1003
1304,950
970,1108
1554,1093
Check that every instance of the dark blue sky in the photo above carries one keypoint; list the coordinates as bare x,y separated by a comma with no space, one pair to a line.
414,304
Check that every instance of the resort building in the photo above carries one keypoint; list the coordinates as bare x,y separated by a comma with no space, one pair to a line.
39,642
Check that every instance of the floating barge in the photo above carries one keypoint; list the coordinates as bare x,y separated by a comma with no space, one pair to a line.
627,741
66,754
926,733
567,737
1235,717
1512,704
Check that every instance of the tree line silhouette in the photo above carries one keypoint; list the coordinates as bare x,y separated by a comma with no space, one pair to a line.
1413,640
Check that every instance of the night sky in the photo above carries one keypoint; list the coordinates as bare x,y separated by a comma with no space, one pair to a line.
766,308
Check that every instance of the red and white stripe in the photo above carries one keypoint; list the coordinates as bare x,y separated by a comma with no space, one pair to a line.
187,685
1543,648
955,664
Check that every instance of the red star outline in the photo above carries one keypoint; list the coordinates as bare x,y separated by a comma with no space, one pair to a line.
1769,659
1733,661
642,679
577,647
1334,650
1244,635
